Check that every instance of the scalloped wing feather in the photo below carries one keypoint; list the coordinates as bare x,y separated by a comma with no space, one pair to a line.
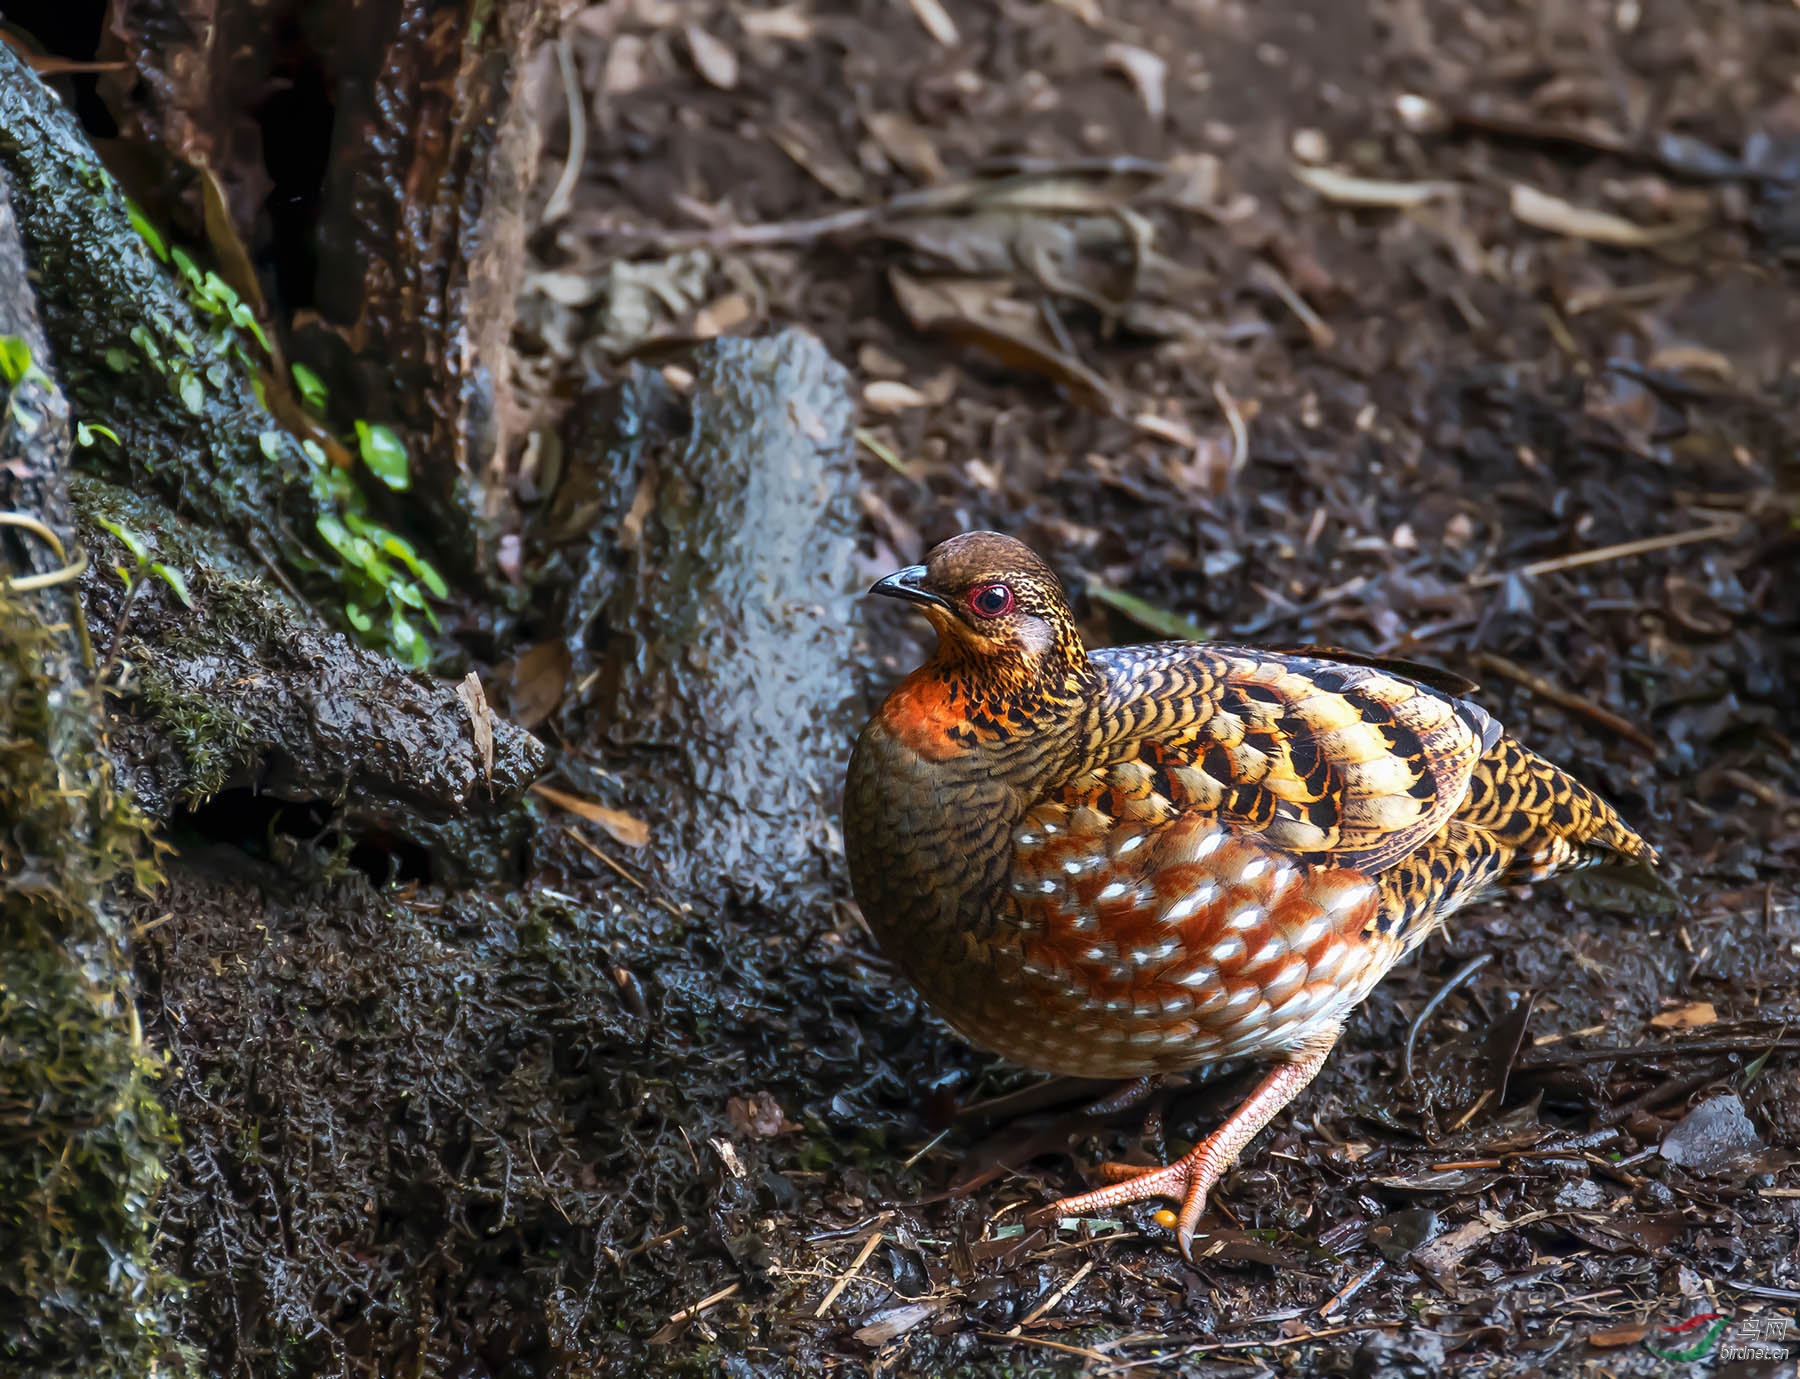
1333,763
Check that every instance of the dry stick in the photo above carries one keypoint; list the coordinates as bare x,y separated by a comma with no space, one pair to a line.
1084,1353
862,1258
1567,699
1210,1347
1457,979
1055,1297
1265,275
558,204
1357,1283
1748,1043
1599,554
1240,434
711,1301
656,900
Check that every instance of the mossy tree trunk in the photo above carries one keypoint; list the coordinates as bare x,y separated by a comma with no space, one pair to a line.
82,1136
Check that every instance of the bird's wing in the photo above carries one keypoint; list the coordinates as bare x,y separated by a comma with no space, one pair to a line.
1332,763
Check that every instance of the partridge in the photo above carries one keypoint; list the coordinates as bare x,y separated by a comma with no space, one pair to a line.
1127,862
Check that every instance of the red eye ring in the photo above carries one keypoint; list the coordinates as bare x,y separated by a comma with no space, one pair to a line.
990,600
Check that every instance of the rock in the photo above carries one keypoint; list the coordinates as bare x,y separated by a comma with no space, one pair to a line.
1712,1138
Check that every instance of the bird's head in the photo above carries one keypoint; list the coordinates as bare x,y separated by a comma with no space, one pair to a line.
1002,620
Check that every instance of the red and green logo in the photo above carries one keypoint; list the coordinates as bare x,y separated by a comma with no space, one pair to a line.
1687,1345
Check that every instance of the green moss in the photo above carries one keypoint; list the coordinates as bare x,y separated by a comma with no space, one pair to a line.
211,740
83,1134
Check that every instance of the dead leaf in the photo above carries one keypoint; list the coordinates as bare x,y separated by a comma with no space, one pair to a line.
626,829
832,172
891,1323
1345,190
1618,1336
1147,72
937,22
983,313
728,1155
1441,1258
1542,211
624,72
715,318
1687,1017
481,723
885,395
712,58
787,21
758,1116
907,144
539,678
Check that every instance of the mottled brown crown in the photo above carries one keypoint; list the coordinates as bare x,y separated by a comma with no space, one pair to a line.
1031,655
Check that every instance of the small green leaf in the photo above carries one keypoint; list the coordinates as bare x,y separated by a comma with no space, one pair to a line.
1147,614
86,431
408,593
245,319
336,534
185,266
269,442
409,646
193,392
384,454
141,223
147,343
126,538
117,360
123,574
360,620
15,359
174,580
402,551
311,386
219,290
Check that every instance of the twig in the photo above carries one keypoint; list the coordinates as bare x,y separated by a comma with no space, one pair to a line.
1676,1049
1457,979
1545,689
1240,434
1266,275
1277,1343
1486,1096
279,575
934,1142
862,1258
747,236
656,900
558,205
1622,551
1055,1297
1357,1283
712,1300
1082,1351
118,632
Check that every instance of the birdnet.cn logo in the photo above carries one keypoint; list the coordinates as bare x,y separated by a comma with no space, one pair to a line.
1756,1339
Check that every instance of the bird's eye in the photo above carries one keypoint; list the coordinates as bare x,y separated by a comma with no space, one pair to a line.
991,600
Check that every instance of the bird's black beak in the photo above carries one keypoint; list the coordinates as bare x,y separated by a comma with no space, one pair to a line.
909,585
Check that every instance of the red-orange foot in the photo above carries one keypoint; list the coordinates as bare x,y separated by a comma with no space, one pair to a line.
1187,1180
1192,1176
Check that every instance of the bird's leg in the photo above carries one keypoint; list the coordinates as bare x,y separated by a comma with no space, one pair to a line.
1120,1098
1192,1176
1130,1094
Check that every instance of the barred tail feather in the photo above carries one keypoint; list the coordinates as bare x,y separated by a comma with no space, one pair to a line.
1546,820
